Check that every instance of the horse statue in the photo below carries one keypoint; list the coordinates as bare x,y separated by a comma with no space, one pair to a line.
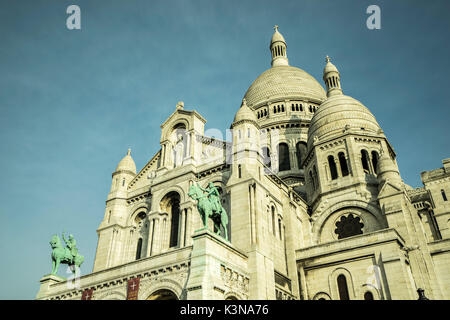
68,255
209,206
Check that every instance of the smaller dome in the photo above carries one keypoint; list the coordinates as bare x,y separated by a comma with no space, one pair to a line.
329,67
339,113
277,36
127,164
244,113
385,164
387,170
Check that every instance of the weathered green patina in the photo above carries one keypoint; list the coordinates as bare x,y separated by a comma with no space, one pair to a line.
209,206
68,255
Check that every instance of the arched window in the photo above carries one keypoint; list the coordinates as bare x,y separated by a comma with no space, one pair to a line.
365,160
343,163
342,287
368,295
175,221
374,161
139,249
273,220
333,169
266,156
312,181
444,196
301,153
123,182
316,180
283,157
239,171
348,226
279,228
171,205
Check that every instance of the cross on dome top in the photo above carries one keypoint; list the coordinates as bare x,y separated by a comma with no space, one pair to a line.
275,28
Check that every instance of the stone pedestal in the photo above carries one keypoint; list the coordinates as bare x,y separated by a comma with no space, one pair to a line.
211,256
46,282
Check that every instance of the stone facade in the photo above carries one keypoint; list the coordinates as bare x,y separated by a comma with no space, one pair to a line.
316,206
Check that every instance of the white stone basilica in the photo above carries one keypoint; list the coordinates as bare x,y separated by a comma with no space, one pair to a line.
316,205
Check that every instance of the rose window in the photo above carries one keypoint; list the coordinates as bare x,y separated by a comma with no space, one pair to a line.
348,226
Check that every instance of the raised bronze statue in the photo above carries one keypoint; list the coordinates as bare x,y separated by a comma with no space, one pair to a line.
209,206
68,255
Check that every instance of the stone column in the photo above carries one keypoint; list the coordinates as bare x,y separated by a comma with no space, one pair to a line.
182,231
156,236
150,238
189,226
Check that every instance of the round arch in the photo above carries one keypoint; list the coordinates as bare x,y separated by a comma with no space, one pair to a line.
372,289
333,280
361,206
170,127
177,123
137,209
163,294
174,188
321,296
150,288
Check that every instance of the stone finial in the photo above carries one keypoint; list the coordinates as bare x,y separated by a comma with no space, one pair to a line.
421,294
275,28
244,102
180,105
327,59
129,152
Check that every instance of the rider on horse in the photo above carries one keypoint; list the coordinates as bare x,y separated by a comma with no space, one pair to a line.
71,244
214,197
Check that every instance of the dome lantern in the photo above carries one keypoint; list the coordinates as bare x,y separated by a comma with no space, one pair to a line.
278,49
332,78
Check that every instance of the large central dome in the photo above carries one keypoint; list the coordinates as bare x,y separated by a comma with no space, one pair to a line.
284,82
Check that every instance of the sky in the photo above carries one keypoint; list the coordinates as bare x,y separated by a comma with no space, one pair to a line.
73,101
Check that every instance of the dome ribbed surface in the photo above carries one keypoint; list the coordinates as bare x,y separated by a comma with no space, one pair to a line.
284,82
338,113
244,113
126,164
277,36
329,67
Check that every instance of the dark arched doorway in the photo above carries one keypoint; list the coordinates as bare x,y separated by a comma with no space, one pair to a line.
163,294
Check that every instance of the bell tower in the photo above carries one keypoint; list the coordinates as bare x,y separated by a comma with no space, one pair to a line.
111,230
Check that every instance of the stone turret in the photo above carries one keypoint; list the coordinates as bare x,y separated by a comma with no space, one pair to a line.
116,214
332,79
278,49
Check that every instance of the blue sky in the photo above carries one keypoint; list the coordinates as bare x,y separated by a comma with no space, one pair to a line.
73,101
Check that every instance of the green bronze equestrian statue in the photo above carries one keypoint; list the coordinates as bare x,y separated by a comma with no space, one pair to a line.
209,206
68,255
